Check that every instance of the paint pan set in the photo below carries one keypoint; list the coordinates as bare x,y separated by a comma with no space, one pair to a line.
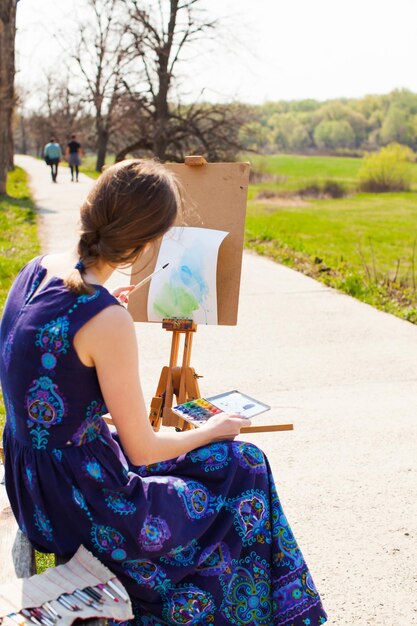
198,411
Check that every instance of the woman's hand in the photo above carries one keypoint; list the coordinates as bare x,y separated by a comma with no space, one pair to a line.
225,426
122,293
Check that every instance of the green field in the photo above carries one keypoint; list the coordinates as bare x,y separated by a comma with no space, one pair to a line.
292,172
363,244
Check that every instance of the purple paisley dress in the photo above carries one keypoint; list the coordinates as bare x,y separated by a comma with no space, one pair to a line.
200,539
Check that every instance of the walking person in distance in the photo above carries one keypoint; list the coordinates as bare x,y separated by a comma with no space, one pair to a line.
73,156
52,154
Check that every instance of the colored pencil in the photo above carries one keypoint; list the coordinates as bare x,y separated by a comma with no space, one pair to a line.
115,588
16,617
108,593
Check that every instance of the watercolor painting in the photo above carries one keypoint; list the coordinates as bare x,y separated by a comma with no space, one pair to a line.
187,287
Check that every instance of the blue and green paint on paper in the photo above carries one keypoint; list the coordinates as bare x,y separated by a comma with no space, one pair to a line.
185,293
188,287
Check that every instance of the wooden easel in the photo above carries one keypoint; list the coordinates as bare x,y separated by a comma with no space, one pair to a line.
181,381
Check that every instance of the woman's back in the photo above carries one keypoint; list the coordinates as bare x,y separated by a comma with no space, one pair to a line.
50,395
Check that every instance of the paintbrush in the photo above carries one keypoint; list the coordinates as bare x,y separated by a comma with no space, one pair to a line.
148,278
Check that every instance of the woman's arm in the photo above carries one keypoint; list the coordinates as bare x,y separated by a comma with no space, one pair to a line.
108,341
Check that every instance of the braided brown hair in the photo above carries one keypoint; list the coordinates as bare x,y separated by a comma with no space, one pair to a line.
133,203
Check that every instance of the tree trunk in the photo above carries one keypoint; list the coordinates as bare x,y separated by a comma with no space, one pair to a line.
23,135
11,146
7,70
102,141
161,115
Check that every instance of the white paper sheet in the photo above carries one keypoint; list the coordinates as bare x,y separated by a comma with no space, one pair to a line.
187,287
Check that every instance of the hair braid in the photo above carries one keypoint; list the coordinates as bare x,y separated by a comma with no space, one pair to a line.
133,203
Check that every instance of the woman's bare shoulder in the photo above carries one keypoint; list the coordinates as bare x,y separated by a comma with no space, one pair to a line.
113,318
107,334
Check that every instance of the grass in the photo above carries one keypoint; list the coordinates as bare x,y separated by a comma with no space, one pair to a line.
18,236
18,230
292,172
18,244
363,244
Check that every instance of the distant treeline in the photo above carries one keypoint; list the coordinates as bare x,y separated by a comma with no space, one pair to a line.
348,127
344,126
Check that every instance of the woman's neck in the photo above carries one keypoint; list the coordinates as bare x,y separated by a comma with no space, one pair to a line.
98,274
62,263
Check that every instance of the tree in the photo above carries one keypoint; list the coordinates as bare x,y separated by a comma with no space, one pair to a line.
7,72
298,138
397,127
213,130
102,57
160,32
254,136
334,134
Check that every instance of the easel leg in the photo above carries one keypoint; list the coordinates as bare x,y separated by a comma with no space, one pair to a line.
180,381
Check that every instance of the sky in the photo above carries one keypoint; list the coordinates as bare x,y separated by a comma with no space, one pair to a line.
265,50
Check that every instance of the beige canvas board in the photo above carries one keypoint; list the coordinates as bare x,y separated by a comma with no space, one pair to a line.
215,196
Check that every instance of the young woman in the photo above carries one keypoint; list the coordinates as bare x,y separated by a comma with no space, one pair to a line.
190,522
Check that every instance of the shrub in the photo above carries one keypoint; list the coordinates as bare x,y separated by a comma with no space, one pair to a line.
334,189
310,191
387,170
330,189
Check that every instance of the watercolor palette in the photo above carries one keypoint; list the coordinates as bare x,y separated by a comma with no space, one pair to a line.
200,410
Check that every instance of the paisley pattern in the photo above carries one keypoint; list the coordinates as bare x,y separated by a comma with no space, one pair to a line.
247,592
118,503
297,593
42,523
164,467
154,533
57,453
197,500
214,560
45,408
182,556
249,457
252,519
30,476
188,604
201,539
212,457
145,573
88,431
108,539
84,298
44,404
53,337
93,469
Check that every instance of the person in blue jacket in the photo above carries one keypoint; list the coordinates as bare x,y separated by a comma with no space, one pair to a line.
52,154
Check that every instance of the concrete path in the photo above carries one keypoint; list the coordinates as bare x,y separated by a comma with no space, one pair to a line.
346,375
